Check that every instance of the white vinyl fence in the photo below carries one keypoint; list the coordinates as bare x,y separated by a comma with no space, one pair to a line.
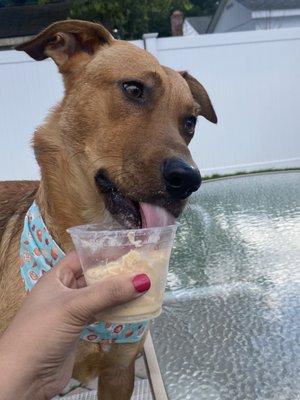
253,79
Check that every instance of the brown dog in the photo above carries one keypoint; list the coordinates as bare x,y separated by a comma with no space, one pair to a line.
114,146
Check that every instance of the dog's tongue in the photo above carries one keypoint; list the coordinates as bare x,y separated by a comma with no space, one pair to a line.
155,216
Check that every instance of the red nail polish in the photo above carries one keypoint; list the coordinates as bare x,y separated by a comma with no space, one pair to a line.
141,283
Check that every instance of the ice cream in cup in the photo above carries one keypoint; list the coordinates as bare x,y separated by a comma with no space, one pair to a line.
104,253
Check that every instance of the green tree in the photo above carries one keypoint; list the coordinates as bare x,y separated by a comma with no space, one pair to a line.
132,18
6,3
203,7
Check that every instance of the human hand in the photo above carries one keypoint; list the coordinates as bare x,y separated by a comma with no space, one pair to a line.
37,351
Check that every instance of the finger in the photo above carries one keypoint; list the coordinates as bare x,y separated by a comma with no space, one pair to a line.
69,270
90,301
71,262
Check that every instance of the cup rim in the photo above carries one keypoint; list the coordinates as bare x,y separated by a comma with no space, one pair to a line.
82,229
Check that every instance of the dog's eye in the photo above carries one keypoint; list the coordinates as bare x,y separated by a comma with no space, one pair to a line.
189,124
134,90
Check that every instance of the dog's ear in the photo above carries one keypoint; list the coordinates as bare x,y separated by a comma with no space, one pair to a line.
201,96
63,39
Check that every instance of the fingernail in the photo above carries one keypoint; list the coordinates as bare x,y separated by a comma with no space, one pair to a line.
141,283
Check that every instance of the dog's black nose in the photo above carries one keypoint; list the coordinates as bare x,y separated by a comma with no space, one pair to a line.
181,179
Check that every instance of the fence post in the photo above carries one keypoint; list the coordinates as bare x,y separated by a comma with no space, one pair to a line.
150,42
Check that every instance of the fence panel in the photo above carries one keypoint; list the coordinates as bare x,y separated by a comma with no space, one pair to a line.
252,77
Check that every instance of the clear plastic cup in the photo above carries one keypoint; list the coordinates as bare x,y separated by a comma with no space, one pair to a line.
107,253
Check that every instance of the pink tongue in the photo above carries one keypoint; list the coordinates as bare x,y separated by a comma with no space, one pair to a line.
155,216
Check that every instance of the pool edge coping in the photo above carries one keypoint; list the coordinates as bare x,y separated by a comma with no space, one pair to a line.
246,174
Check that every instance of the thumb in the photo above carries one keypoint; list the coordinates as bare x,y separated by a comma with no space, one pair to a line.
92,300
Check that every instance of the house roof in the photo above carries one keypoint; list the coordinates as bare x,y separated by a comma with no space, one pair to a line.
200,24
253,5
256,5
31,19
216,16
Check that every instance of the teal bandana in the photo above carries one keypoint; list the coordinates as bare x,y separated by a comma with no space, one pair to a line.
39,253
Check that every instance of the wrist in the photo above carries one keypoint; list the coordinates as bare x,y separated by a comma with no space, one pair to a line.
18,379
15,384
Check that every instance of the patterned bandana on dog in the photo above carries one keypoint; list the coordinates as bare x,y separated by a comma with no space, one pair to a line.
39,253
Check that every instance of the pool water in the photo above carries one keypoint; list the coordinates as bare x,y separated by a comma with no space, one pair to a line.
230,329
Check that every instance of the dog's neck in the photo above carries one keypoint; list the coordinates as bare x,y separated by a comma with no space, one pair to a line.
54,215
65,196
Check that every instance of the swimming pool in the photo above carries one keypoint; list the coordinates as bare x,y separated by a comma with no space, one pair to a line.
230,329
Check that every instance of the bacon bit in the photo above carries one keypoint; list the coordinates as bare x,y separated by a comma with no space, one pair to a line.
33,276
39,234
91,337
118,328
37,252
54,253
